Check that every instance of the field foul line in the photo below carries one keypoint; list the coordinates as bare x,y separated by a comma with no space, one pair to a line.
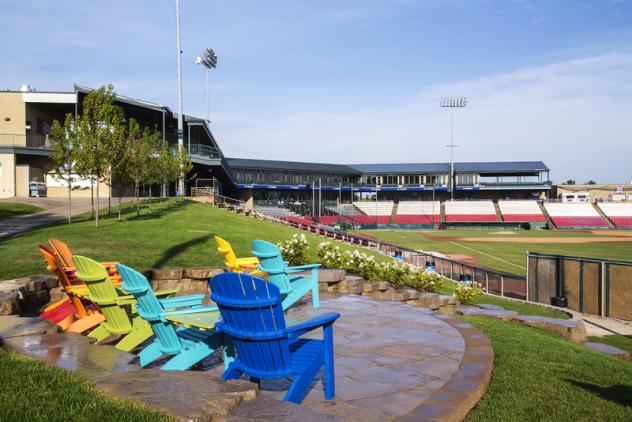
486,254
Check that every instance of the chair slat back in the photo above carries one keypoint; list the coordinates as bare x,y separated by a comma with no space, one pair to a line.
271,262
62,277
102,292
252,314
230,259
149,307
63,252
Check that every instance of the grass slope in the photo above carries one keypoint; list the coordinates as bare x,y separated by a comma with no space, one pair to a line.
180,236
30,390
538,376
511,256
620,341
12,209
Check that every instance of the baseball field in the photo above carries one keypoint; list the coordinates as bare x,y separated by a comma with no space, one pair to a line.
504,250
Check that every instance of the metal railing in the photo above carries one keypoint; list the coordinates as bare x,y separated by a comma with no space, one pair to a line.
206,151
29,141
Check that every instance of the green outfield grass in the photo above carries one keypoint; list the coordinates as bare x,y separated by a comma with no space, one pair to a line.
179,236
507,257
12,209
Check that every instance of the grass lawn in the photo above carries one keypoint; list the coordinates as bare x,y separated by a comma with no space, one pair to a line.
177,237
12,209
30,390
505,256
622,342
539,376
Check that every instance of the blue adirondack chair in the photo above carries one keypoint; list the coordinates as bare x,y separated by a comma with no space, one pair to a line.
188,345
253,317
292,287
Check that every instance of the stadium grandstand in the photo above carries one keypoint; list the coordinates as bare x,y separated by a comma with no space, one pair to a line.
394,195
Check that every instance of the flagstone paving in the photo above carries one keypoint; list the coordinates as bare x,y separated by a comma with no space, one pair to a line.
392,361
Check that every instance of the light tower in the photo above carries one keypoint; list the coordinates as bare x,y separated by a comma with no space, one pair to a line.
209,61
452,103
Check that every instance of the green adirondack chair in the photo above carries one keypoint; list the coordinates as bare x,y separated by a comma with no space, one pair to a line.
292,287
104,294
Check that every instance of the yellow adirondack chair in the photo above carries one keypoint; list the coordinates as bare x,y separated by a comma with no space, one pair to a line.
232,262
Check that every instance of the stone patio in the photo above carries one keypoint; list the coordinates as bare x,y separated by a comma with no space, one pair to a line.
393,361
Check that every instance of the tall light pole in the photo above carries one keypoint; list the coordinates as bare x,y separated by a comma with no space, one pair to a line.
452,103
209,60
180,107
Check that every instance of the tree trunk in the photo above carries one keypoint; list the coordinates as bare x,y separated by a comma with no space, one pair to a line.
69,200
110,198
119,206
98,204
137,199
92,196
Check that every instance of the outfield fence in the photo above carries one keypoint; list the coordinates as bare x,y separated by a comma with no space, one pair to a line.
593,286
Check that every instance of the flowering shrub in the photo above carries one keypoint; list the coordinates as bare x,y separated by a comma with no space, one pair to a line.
362,264
295,250
396,272
467,292
329,255
419,279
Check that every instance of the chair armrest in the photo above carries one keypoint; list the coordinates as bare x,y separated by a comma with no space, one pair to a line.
300,268
182,301
126,300
309,325
190,311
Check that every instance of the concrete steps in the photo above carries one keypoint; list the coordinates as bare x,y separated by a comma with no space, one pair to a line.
499,215
604,216
549,222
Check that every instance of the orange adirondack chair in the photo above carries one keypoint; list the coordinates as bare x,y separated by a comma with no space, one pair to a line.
86,315
64,254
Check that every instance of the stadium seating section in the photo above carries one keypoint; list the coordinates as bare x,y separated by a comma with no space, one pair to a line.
619,213
377,212
418,212
574,215
521,211
470,212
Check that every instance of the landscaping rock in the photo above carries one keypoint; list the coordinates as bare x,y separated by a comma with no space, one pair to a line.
164,284
351,284
383,285
369,287
266,408
188,286
9,303
608,350
448,300
167,274
149,386
35,299
490,307
491,313
573,330
201,273
327,275
38,283
56,294
429,300
412,294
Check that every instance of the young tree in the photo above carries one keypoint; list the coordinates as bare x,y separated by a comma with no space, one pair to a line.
170,165
99,134
142,147
64,147
591,182
570,182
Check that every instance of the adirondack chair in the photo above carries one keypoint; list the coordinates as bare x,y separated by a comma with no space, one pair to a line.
188,345
64,254
252,316
232,262
103,293
85,315
292,287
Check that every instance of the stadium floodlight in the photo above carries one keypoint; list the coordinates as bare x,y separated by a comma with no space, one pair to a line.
209,61
452,103
180,133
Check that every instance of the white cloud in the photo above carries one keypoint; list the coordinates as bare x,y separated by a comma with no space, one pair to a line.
573,115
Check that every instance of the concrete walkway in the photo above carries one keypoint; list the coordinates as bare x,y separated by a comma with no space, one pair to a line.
54,210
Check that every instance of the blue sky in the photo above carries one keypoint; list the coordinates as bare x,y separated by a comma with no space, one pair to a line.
358,81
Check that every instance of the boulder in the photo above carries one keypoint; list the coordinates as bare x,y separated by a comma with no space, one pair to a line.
383,285
164,284
412,294
56,294
351,284
369,287
201,273
448,300
167,274
491,313
326,275
189,286
429,300
9,303
574,330
37,283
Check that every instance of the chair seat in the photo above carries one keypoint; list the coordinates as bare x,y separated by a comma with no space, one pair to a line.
304,352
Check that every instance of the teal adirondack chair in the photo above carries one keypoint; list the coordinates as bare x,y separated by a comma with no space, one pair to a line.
291,287
253,317
188,345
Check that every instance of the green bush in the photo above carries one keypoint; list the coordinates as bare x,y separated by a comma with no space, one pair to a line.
467,293
329,255
419,279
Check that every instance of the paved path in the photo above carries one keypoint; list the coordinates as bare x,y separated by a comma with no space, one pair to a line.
54,210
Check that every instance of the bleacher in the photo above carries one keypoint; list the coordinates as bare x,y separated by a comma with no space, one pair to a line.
470,212
619,213
574,215
376,212
418,212
521,211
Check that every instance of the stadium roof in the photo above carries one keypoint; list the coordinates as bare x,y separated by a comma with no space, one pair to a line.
290,165
469,167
